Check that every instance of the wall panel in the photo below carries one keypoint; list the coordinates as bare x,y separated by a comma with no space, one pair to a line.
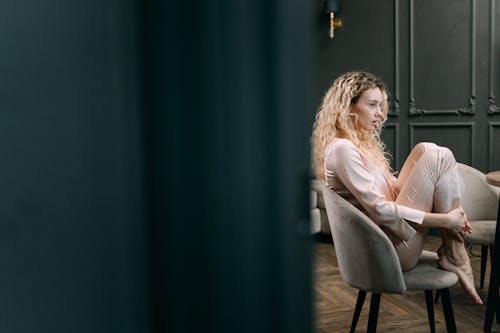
439,60
437,75
494,68
494,146
366,42
390,136
458,136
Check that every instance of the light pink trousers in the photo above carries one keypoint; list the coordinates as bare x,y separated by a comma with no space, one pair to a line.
429,181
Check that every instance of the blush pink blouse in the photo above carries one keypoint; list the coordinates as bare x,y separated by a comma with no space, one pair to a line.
357,179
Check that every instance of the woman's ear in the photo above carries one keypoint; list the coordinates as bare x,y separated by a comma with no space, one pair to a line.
351,109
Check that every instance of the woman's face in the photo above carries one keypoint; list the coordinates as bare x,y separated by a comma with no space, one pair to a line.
368,108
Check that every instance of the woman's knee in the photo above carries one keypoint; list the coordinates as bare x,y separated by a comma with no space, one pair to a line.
419,149
446,153
433,150
446,159
422,147
439,160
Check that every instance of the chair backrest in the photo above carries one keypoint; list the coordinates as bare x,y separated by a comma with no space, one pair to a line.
366,257
479,199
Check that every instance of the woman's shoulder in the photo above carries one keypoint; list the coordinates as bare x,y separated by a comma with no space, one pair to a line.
339,145
341,155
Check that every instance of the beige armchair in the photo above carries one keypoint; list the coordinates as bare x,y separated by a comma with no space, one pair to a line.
368,262
318,217
480,202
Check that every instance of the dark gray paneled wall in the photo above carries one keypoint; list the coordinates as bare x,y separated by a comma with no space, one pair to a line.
440,62
72,227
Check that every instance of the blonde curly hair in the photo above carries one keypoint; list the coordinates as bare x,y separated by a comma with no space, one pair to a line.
334,120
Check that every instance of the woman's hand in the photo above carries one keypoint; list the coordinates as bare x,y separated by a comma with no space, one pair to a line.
458,223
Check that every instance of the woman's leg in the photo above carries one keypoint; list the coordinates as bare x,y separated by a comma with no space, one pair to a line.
411,160
429,181
452,253
415,188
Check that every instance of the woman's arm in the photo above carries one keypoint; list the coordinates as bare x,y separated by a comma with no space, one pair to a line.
344,161
455,221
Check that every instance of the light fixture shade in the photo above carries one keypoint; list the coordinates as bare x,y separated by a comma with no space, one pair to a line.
331,6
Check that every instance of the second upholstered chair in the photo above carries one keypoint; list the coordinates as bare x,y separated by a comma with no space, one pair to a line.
368,262
480,202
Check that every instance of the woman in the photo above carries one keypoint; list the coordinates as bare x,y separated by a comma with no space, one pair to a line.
349,156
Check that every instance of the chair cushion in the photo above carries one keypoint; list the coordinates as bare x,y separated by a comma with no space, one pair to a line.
427,277
429,257
313,202
317,186
483,232
315,220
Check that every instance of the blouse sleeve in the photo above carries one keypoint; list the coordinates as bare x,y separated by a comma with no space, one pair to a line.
348,166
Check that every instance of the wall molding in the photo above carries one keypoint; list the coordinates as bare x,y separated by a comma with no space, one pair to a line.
492,125
395,155
471,107
394,111
470,125
492,107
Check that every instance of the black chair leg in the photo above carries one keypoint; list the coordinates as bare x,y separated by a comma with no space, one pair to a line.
436,299
492,300
448,311
359,306
497,312
373,315
484,259
430,309
498,307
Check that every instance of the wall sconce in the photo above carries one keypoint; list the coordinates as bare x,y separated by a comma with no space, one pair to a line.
332,7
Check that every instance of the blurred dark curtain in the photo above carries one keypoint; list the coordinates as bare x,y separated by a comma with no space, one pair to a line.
227,92
154,166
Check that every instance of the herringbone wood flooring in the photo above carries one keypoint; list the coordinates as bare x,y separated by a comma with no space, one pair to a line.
334,301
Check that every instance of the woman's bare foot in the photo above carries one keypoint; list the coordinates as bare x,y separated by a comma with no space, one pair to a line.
464,273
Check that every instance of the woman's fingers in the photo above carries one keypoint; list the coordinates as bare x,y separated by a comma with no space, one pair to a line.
468,227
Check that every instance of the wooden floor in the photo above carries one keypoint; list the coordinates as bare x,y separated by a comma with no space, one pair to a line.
334,301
